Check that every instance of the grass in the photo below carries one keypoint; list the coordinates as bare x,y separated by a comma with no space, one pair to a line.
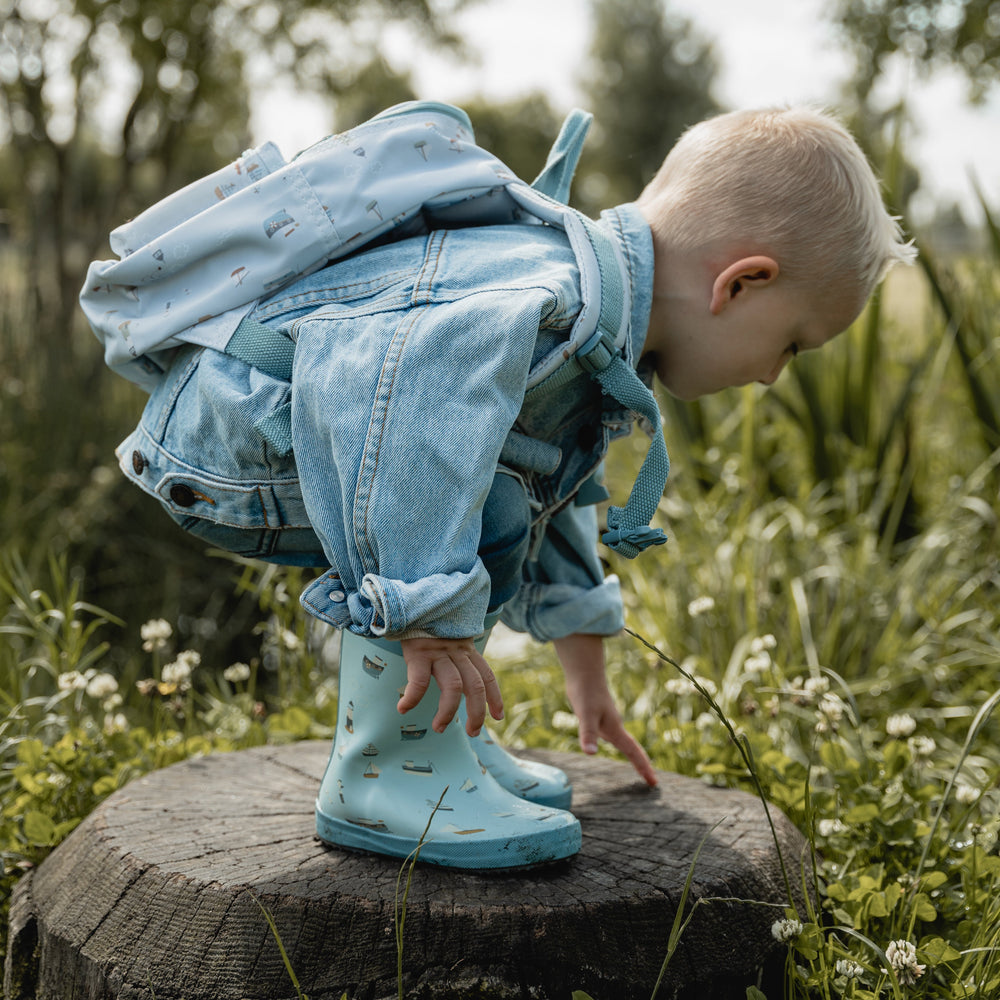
830,599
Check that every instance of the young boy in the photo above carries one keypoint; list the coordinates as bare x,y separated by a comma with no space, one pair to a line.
440,496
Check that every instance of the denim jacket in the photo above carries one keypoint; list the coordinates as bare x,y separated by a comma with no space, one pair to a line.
408,391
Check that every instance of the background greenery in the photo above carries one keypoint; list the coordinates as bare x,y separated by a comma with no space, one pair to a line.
832,580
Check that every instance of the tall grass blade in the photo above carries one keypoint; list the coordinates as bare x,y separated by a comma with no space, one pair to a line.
281,947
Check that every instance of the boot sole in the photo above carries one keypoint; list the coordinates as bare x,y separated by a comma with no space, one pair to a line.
510,852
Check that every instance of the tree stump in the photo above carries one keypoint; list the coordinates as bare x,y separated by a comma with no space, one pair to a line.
155,895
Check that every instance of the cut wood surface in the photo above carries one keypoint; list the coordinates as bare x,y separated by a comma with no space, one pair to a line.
155,895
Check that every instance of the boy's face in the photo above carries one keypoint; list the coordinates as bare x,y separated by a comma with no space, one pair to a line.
748,333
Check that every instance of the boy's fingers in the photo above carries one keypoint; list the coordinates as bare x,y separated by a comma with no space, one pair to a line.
418,680
638,757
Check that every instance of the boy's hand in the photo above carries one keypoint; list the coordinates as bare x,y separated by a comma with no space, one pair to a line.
582,658
458,668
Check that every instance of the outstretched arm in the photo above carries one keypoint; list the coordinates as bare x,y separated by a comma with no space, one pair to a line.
582,659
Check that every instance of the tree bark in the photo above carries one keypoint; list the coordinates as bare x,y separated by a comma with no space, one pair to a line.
156,895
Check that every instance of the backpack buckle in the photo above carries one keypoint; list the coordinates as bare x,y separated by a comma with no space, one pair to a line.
596,353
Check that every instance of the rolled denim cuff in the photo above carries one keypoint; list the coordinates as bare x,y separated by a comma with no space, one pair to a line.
555,610
445,605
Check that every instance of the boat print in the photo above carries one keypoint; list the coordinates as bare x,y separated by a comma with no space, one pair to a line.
524,785
438,807
413,768
370,751
371,771
451,828
369,824
468,786
349,719
372,667
275,223
410,732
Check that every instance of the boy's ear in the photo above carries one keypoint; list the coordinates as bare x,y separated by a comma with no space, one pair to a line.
736,278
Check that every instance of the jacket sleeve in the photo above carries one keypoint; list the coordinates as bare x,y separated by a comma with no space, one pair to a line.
565,591
399,417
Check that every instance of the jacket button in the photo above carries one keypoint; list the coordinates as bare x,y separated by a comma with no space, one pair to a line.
182,495
139,462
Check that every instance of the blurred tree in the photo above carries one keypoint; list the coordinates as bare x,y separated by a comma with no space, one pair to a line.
107,104
519,131
374,87
964,34
649,76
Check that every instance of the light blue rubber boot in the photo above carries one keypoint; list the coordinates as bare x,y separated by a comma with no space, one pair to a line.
387,772
528,779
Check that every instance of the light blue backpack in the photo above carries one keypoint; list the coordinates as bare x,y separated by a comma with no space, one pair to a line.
192,267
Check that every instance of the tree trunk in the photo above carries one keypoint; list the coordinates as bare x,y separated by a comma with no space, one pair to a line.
156,895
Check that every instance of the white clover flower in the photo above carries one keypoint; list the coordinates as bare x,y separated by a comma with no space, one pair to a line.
707,684
705,720
102,686
673,736
786,930
832,706
829,827
680,686
116,723
921,746
902,957
817,686
236,672
966,794
72,680
112,702
900,726
701,605
179,672
762,643
154,634
289,640
565,721
845,967
758,663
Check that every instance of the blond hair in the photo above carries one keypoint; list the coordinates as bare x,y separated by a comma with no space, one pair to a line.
789,181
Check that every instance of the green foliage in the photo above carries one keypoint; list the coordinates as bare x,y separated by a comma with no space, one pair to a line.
647,78
964,35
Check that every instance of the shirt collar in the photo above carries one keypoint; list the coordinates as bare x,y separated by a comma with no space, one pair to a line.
628,227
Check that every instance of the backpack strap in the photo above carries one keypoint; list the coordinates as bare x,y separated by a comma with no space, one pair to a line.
272,352
557,174
600,339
